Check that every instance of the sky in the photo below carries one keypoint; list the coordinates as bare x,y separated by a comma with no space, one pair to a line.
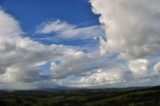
79,43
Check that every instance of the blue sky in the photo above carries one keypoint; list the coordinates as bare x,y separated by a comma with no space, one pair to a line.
65,42
76,14
31,13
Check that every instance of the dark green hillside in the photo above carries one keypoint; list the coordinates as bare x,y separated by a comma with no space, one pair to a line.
99,97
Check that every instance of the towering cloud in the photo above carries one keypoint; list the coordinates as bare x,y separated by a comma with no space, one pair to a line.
132,31
132,26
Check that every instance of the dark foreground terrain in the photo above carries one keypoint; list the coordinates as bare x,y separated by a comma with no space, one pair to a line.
105,97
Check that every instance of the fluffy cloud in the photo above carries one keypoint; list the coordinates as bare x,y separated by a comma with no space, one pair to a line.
9,26
132,27
72,62
78,62
122,59
105,76
132,31
21,59
139,67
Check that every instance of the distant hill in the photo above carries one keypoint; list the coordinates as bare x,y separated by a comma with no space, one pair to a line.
139,96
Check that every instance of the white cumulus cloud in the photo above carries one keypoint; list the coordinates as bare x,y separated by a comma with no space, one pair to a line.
132,26
131,32
21,59
139,67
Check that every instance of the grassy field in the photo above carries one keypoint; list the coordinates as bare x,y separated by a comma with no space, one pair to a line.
96,97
